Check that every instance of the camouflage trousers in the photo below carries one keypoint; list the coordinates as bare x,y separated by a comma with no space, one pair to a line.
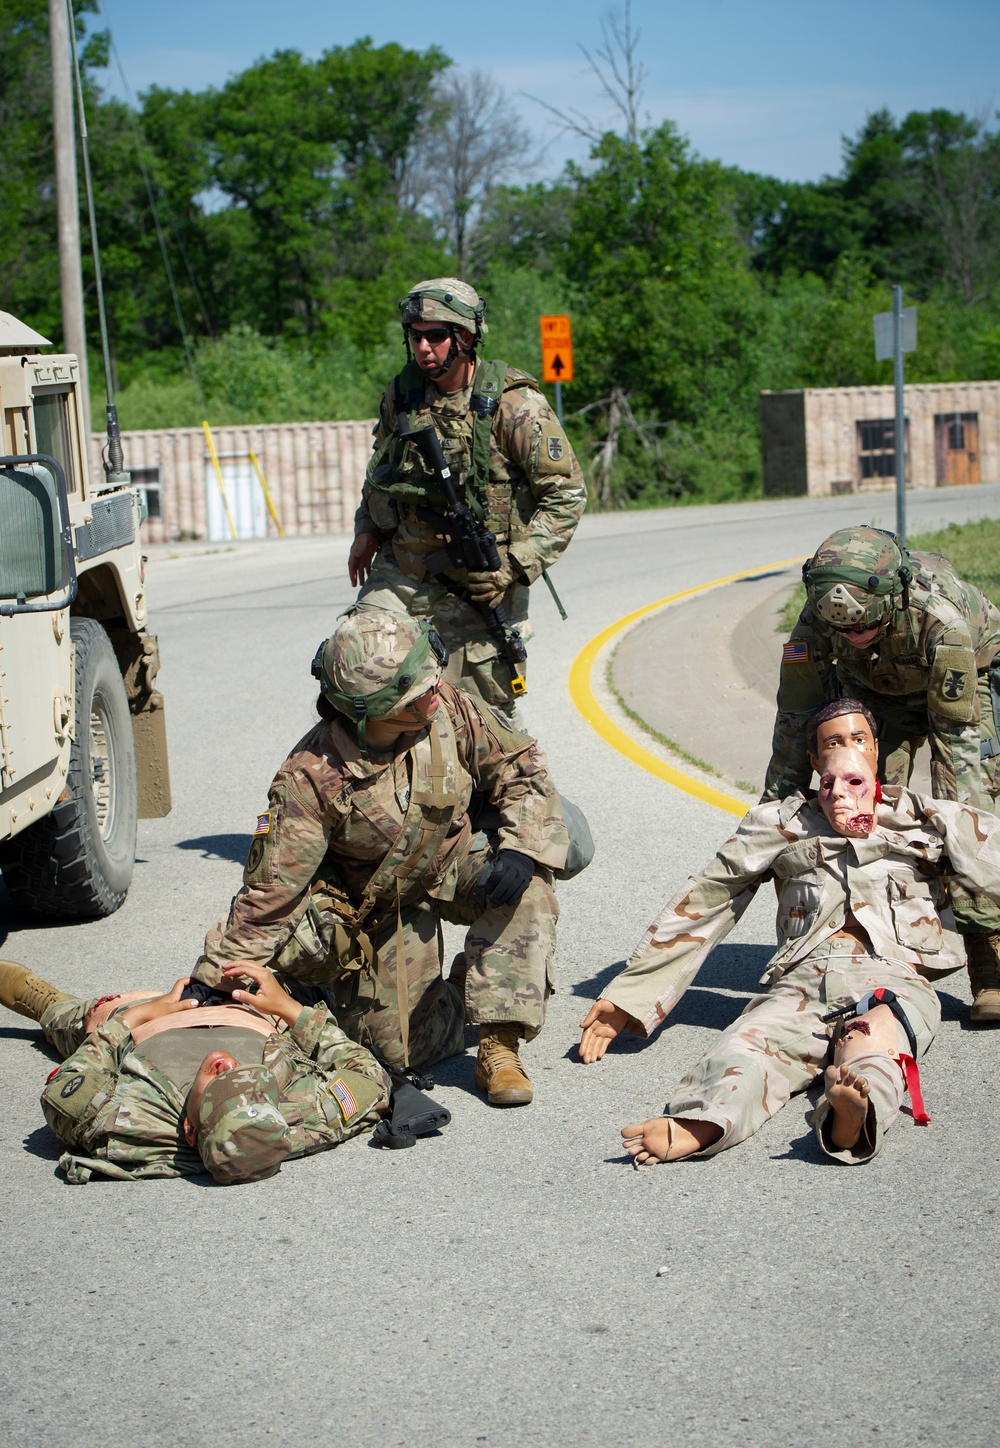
507,977
780,1044
64,1021
474,665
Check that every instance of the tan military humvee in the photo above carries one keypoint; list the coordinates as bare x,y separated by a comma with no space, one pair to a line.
82,738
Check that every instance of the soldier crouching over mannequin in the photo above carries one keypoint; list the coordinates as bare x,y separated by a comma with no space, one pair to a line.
368,844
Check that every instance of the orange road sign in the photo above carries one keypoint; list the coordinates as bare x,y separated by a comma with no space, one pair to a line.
557,349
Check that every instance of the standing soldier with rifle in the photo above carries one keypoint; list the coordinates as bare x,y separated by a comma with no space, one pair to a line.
472,492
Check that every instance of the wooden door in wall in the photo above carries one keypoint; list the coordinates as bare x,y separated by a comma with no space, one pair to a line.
956,448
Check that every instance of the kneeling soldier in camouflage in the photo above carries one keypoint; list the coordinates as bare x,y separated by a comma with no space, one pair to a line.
367,844
154,1086
863,920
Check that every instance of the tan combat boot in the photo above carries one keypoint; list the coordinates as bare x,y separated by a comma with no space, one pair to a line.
24,992
499,1071
983,954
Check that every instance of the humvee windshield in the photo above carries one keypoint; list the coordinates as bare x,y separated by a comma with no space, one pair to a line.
52,430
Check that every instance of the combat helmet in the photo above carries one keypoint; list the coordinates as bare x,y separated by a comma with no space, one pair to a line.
856,578
241,1132
376,662
453,303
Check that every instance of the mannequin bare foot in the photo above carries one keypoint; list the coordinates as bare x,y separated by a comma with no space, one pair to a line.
663,1138
847,1093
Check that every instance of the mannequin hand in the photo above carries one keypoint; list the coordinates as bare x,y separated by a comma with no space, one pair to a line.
602,1023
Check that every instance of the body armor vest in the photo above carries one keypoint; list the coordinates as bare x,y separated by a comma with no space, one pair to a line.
403,496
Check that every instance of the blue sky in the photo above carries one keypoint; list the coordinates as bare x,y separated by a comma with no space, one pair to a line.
769,85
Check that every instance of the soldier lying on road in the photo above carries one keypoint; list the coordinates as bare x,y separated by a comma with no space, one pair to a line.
368,843
154,1086
862,906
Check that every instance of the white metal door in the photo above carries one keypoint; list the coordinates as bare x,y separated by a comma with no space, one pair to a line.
244,496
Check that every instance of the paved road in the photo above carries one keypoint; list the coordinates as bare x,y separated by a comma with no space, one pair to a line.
499,1285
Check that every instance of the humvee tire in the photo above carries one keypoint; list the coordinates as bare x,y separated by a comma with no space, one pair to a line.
79,859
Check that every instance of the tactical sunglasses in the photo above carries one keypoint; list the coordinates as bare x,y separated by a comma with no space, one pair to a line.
433,335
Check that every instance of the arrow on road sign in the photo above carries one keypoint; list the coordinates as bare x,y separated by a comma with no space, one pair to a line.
557,349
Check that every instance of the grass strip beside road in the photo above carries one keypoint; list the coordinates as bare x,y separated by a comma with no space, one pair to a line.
583,696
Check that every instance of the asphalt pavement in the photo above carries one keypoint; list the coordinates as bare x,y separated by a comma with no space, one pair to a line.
514,1281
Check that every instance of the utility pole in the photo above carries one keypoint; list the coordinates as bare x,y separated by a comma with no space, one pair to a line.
68,204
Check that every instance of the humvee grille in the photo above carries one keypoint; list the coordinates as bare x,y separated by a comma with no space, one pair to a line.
113,526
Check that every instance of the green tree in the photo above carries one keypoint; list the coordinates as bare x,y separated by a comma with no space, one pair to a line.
671,304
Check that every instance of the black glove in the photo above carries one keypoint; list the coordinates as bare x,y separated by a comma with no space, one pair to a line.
505,879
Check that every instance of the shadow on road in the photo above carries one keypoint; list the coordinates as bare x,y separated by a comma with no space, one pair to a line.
43,1144
219,847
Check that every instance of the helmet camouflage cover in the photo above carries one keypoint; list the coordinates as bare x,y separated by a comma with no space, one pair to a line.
854,576
448,300
242,1135
376,662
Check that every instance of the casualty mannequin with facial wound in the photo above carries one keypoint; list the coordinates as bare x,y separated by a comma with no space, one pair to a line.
862,910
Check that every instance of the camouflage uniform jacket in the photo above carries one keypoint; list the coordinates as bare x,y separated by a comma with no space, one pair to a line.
124,1117
534,494
920,676
333,816
894,882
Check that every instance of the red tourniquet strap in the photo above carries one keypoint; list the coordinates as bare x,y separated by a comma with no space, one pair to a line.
911,1075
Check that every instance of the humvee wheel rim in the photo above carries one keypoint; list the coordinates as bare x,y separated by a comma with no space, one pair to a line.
102,773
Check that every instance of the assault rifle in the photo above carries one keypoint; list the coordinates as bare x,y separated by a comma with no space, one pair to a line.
473,546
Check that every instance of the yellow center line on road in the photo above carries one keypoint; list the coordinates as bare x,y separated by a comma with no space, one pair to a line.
583,696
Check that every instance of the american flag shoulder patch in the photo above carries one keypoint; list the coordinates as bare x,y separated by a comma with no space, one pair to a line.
345,1098
263,823
796,651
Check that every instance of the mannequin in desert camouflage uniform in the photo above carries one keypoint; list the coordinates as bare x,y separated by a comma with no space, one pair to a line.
863,905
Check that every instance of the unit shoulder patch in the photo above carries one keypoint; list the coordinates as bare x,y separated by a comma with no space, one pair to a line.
952,691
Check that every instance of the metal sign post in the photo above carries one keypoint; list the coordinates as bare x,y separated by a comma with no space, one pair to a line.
896,333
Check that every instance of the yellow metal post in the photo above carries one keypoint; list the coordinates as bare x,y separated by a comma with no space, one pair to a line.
218,475
267,495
